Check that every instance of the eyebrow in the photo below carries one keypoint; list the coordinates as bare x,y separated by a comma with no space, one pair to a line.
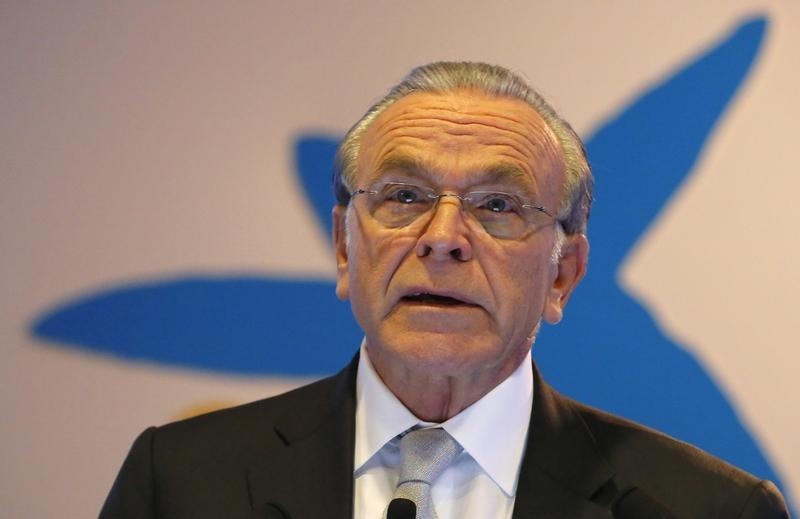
401,163
501,173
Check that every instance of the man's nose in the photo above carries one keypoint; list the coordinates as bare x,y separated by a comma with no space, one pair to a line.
446,235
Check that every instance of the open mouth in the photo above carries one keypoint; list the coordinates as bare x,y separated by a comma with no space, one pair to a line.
434,299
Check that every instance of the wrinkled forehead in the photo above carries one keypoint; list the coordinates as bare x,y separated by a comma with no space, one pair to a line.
468,132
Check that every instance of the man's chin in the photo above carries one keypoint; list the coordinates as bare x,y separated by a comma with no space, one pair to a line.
439,321
438,353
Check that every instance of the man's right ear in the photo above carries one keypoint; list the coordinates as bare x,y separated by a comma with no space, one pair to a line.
340,248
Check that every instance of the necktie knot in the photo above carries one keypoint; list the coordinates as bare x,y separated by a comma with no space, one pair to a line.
424,455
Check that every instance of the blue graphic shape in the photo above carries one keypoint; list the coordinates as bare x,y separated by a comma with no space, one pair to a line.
243,325
314,155
609,352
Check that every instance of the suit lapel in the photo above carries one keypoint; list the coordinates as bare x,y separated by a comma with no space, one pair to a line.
562,469
316,449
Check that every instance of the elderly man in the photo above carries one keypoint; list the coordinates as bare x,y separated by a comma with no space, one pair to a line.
462,201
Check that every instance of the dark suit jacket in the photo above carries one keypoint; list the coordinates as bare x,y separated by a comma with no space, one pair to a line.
294,452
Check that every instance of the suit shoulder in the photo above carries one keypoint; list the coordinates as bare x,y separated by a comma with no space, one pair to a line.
252,423
204,466
677,472
621,439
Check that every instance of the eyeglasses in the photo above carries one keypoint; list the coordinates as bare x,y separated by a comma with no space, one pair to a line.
502,215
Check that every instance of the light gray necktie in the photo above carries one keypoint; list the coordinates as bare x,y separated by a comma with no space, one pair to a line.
424,455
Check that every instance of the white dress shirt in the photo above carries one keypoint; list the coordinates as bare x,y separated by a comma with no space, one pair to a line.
482,481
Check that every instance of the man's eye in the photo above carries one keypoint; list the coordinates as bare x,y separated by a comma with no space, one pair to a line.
404,196
498,204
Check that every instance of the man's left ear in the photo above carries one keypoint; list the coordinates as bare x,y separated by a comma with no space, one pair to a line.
571,268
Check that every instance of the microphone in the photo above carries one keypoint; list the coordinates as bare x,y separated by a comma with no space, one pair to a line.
637,504
401,508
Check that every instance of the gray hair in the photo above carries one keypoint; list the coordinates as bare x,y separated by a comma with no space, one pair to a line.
444,77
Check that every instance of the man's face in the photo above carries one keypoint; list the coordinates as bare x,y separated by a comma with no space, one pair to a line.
441,296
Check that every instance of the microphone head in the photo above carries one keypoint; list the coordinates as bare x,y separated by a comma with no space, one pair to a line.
401,508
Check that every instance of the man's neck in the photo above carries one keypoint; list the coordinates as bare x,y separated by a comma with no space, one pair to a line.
435,397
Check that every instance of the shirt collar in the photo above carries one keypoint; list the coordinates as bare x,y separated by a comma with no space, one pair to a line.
380,416
492,431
